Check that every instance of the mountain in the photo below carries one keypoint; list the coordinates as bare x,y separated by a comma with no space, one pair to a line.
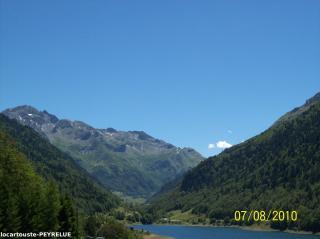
298,110
131,163
278,169
58,168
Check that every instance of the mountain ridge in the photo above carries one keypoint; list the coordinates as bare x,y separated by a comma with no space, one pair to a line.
300,109
277,169
132,163
56,166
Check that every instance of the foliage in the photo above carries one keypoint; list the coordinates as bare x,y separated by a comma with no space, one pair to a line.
107,227
278,169
59,168
116,230
27,203
133,163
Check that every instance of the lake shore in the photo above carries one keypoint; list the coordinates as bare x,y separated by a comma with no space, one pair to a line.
261,228
149,235
154,236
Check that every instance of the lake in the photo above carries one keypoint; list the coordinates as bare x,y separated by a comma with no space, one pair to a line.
197,232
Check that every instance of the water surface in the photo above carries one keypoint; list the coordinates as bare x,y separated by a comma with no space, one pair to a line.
197,232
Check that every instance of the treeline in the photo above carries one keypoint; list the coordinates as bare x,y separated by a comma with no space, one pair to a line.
41,189
58,167
101,225
278,169
27,203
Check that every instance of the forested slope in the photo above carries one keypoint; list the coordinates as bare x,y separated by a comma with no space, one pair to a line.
278,169
59,168
27,202
131,163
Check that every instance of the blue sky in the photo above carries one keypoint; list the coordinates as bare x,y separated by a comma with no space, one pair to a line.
190,72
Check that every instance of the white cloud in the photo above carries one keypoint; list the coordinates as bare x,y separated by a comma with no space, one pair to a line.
229,131
223,144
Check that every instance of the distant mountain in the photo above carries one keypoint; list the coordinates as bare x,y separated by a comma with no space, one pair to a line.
132,163
56,167
278,169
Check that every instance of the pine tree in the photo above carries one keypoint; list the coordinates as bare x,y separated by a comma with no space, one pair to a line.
68,217
26,203
9,217
12,218
52,208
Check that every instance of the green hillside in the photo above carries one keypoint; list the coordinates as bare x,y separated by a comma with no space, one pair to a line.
131,163
59,168
27,203
278,169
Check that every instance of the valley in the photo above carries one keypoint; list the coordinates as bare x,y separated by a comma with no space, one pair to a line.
132,164
277,169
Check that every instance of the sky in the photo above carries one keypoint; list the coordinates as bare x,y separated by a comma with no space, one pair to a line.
200,74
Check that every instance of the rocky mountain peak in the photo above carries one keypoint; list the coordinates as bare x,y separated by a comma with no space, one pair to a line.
315,98
112,156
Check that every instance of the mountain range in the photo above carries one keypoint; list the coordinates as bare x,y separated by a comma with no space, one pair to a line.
56,167
132,164
275,170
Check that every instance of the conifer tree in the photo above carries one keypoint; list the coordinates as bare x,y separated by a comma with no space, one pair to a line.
68,217
52,208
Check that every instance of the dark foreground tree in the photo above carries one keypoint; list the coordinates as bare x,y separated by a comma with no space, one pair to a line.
27,203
